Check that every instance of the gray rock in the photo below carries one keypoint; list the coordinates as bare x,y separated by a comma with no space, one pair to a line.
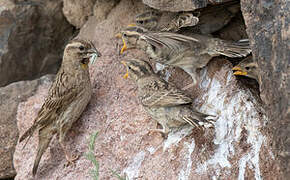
77,12
10,97
32,37
102,8
268,29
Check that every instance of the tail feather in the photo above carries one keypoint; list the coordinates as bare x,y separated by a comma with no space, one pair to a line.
45,136
27,133
200,120
235,49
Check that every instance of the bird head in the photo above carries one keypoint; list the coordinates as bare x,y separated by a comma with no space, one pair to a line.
137,69
81,52
247,67
132,37
148,20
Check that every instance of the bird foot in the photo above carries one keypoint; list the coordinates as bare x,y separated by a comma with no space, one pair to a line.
71,159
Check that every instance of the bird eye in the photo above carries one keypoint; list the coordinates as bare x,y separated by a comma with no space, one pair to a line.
129,67
125,35
82,48
247,68
140,22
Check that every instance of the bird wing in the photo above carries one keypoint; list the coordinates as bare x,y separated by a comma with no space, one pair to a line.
169,40
58,99
158,92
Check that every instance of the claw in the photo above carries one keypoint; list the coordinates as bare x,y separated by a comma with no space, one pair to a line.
71,160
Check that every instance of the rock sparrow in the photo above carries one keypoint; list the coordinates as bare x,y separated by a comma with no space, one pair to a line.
67,98
169,106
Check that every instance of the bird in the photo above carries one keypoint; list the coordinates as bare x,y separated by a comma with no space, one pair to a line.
186,52
163,101
166,21
247,67
202,21
67,98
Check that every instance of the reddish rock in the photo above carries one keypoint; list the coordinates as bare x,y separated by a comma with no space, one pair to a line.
237,148
10,97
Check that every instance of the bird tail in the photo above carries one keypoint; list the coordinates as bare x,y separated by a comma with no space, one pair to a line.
44,138
200,120
28,134
240,48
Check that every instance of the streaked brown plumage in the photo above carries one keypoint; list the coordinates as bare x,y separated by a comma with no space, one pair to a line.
165,21
188,53
202,21
67,98
169,106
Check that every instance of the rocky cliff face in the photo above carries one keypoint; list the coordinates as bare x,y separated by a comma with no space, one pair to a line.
33,34
268,28
239,147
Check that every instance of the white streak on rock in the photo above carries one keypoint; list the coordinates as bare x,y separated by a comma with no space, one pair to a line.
236,111
176,135
132,171
184,174
151,150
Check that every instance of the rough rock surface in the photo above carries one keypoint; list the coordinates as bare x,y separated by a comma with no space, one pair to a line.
238,147
103,7
10,97
77,12
268,29
32,37
180,5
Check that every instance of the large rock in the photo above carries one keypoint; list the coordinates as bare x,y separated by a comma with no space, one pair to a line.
180,5
33,34
77,12
10,97
268,29
102,8
238,147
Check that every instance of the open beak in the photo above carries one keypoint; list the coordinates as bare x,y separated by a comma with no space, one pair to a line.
238,71
131,25
124,48
127,72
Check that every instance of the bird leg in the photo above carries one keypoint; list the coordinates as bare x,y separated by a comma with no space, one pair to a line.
164,131
69,157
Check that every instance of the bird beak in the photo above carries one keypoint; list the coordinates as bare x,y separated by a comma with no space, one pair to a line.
127,73
131,25
124,48
239,71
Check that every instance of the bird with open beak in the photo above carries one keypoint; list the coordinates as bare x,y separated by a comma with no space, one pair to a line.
163,101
